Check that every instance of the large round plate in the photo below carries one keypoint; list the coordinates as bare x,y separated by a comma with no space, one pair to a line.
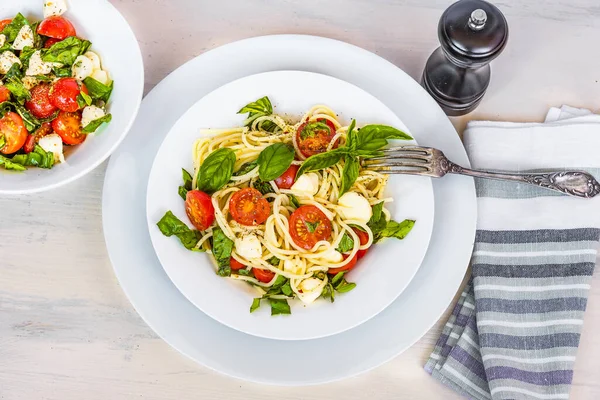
121,56
306,362
380,276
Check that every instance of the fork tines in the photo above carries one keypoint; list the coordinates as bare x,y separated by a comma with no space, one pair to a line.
402,160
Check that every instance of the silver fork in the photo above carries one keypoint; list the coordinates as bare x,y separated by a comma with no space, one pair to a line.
414,160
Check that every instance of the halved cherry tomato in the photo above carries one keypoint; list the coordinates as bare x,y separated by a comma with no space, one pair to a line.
29,144
235,264
40,105
51,42
286,180
4,94
249,207
35,137
3,23
68,127
313,137
63,94
56,27
364,239
263,275
351,264
14,132
309,225
199,209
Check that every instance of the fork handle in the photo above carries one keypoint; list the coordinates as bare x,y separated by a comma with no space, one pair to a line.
573,183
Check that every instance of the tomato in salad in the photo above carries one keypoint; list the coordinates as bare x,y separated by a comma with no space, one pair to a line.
68,127
57,27
63,94
351,264
4,22
263,275
39,104
364,239
14,132
286,181
235,264
314,137
4,94
248,207
309,225
199,209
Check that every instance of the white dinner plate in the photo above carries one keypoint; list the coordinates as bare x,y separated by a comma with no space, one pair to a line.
380,276
208,342
121,57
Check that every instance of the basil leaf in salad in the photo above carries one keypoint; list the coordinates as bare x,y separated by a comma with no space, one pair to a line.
18,90
25,55
311,128
345,287
37,158
95,124
259,108
375,137
66,51
11,31
98,90
83,100
276,286
37,38
187,184
338,278
274,161
346,244
294,200
279,307
398,230
221,249
263,187
320,161
349,173
377,223
328,292
216,170
312,226
286,289
255,304
170,225
274,261
352,136
246,168
14,72
62,72
9,165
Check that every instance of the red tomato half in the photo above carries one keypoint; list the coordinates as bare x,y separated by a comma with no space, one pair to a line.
235,264
57,27
14,132
364,239
3,23
4,94
249,207
351,264
68,127
313,137
286,180
263,275
40,105
35,137
63,94
199,209
309,225
51,42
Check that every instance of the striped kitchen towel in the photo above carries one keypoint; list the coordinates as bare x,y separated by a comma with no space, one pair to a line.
514,332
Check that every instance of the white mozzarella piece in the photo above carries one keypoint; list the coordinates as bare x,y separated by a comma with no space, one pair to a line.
29,82
354,206
37,66
95,59
91,113
82,68
7,59
53,143
54,8
307,184
333,256
2,39
101,76
248,247
24,38
311,289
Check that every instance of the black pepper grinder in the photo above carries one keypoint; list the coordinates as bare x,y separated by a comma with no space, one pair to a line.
472,33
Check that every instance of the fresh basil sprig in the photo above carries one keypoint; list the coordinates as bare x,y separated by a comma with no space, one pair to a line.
346,244
170,225
95,124
337,284
37,158
98,90
221,249
366,142
279,306
7,164
263,187
66,51
259,108
274,161
382,228
216,170
187,184
245,168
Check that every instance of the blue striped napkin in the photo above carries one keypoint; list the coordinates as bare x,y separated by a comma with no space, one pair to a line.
514,332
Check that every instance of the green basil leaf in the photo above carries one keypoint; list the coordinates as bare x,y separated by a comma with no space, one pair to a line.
98,90
187,183
245,272
37,158
255,304
261,106
279,306
18,90
345,287
8,164
182,192
287,289
268,126
246,168
2,141
349,173
11,31
221,250
277,286
274,261
352,136
216,170
312,226
274,161
320,161
346,244
294,200
62,72
25,55
14,72
396,230
338,278
375,137
170,225
263,187
43,78
311,129
328,292
31,122
37,39
84,99
377,223
95,124
66,51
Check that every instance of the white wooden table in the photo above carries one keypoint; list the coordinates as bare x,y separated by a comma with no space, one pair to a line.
66,329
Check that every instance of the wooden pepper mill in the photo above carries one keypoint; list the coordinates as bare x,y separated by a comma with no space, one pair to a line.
472,33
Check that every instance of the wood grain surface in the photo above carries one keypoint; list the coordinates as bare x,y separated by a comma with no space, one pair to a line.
66,329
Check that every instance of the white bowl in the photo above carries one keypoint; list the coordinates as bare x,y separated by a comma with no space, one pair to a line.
113,39
380,276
